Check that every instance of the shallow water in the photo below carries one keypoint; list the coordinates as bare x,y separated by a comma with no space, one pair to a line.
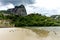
56,28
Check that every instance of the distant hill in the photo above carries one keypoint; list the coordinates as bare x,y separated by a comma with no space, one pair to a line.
56,17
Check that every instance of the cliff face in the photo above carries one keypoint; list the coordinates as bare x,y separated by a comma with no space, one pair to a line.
18,10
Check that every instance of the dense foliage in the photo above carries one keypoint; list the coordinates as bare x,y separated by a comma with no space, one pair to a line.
31,20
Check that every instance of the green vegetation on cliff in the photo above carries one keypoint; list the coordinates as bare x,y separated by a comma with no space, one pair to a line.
30,20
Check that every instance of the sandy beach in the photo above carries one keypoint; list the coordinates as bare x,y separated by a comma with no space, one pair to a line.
28,34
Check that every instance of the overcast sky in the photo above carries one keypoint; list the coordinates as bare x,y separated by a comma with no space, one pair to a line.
45,7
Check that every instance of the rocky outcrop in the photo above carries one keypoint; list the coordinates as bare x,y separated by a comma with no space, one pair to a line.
18,10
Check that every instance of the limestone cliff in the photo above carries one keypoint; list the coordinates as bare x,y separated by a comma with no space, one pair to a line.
18,10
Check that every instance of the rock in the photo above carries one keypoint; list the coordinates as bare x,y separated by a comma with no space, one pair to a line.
18,10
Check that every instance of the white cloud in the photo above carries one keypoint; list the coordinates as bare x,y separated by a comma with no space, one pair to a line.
46,7
5,7
50,4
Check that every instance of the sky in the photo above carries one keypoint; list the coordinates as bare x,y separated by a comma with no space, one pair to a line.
45,7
